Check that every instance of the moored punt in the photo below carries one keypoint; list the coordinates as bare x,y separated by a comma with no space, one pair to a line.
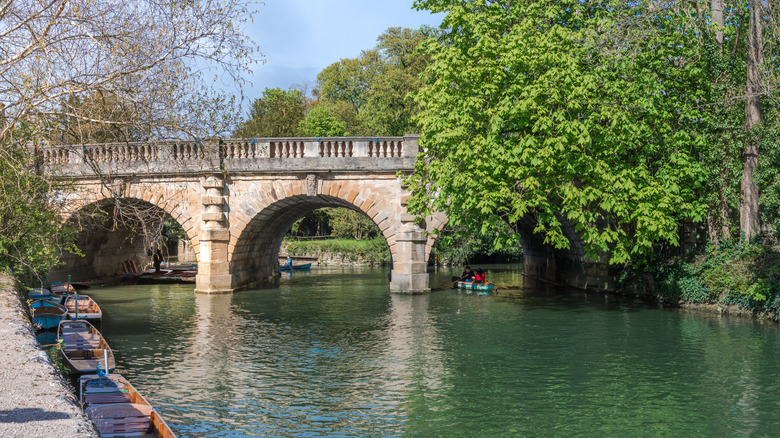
39,293
295,267
83,307
62,289
131,412
84,348
47,314
479,287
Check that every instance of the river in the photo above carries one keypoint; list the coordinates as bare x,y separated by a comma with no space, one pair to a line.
332,353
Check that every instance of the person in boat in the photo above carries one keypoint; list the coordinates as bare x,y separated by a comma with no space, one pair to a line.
479,277
157,260
288,262
467,275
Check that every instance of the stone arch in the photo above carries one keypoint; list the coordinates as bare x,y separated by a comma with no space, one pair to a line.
568,266
254,246
168,198
106,249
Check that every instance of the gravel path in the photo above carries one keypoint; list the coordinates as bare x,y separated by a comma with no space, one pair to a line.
34,399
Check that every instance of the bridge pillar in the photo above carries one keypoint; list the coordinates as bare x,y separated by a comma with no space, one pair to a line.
410,271
213,269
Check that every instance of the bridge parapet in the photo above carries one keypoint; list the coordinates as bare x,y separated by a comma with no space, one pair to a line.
255,155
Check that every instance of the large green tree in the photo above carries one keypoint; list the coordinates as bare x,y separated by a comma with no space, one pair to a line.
322,122
567,112
390,107
277,113
380,84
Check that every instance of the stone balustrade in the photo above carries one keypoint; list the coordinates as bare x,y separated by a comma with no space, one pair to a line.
390,154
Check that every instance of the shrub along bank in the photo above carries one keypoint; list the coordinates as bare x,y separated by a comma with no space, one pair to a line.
736,277
373,252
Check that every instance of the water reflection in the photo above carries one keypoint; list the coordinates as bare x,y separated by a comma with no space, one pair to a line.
333,353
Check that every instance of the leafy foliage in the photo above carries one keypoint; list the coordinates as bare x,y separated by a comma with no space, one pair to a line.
559,110
735,273
379,84
277,113
321,122
457,246
351,224
31,236
336,222
372,251
316,223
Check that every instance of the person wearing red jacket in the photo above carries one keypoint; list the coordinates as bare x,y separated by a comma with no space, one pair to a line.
479,277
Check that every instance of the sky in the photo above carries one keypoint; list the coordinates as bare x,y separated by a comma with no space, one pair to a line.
299,38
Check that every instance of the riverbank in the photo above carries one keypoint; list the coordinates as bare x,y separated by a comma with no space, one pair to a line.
36,402
736,278
340,252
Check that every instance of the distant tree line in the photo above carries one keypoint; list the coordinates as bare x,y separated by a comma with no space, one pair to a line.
371,95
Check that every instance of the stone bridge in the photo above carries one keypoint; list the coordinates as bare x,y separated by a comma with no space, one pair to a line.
237,198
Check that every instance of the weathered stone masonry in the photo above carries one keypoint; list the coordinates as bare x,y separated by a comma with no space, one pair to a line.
236,199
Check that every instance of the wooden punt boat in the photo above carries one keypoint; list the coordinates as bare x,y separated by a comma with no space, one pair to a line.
83,307
479,287
83,347
62,289
47,314
294,267
39,293
117,409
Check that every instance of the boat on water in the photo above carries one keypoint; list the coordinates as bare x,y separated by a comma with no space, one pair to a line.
118,409
294,267
478,287
47,314
83,347
39,293
83,307
62,289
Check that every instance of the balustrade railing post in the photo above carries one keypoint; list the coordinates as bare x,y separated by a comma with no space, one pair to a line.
410,147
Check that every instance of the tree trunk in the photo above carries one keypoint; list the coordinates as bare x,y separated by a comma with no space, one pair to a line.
712,232
724,204
748,209
717,20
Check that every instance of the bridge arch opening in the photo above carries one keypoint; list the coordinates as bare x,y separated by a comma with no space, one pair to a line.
112,232
255,254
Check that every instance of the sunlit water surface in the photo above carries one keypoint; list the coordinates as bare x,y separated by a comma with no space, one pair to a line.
333,353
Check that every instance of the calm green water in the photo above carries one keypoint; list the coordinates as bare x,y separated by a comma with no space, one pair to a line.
333,353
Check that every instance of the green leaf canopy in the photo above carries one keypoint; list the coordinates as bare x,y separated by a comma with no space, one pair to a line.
567,112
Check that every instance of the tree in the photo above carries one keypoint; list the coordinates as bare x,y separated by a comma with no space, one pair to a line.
83,120
153,56
565,112
748,209
31,238
105,69
379,84
390,105
321,122
277,113
350,79
348,223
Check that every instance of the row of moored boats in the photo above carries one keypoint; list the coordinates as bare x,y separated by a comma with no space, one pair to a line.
109,400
